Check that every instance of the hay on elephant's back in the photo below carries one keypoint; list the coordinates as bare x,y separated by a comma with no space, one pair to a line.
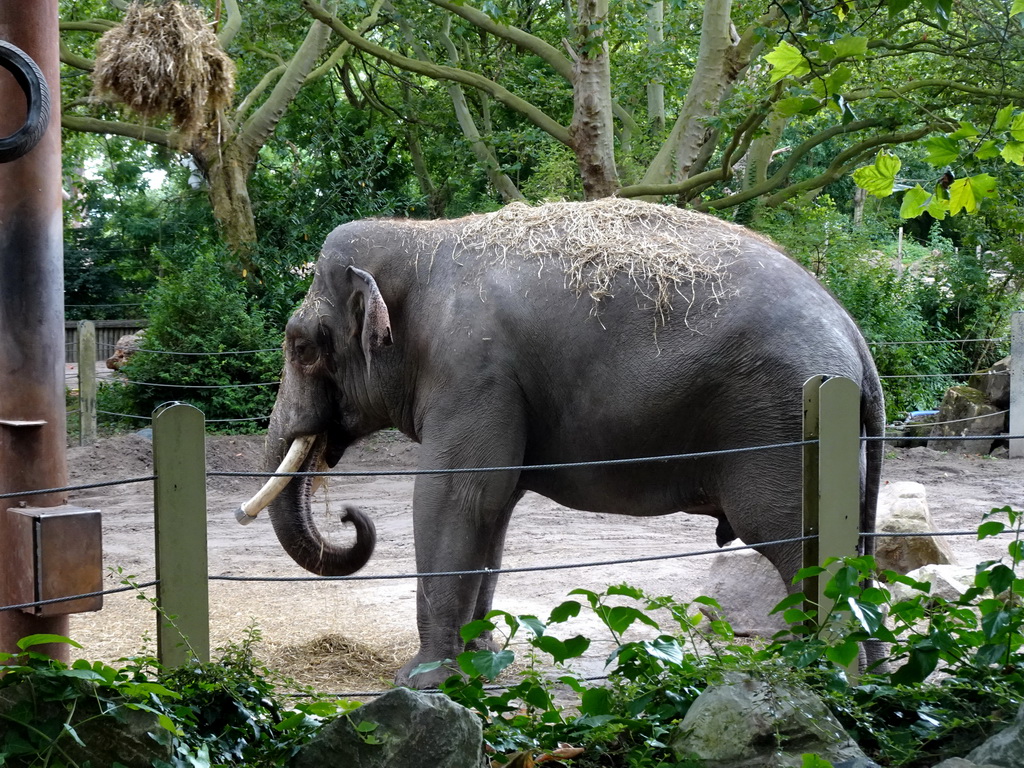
164,59
666,251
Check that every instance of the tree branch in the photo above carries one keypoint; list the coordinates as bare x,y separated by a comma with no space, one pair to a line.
439,72
147,133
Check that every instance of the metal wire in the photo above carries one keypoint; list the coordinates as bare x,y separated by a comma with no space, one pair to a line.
934,341
198,386
85,487
69,598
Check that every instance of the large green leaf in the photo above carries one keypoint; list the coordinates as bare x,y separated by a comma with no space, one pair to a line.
1013,152
787,61
967,194
918,200
942,150
851,46
878,179
1018,7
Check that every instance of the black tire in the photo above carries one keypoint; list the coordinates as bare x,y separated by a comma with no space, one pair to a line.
26,72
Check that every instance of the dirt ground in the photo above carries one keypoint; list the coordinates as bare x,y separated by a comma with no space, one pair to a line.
353,636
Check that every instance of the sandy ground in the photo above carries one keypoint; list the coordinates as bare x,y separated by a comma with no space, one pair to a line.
352,636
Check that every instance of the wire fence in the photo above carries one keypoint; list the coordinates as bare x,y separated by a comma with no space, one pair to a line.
862,535
124,381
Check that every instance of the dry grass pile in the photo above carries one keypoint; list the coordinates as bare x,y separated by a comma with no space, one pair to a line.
333,663
164,59
666,251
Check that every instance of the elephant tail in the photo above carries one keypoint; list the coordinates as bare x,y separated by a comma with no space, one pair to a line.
872,407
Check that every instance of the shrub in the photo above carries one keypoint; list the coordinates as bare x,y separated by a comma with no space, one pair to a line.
199,315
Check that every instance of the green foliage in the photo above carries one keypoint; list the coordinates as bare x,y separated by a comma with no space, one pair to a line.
204,309
221,713
889,300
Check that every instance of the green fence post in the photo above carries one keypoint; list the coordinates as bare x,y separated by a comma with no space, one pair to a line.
86,382
183,598
811,496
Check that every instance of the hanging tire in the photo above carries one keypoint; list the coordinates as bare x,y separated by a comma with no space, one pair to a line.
37,95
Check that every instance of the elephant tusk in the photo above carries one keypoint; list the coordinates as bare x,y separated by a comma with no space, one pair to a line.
297,453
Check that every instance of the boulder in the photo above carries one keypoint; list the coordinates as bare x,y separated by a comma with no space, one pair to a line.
949,581
964,412
747,586
994,383
959,762
749,723
401,729
1005,749
123,736
124,348
903,508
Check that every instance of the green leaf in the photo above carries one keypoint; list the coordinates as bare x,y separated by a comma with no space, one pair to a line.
27,642
844,654
621,617
869,616
562,650
596,702
805,573
797,598
990,528
914,202
798,105
1017,127
851,46
896,7
787,61
564,612
965,131
534,624
967,194
878,179
810,760
920,664
1003,118
474,629
987,150
489,664
942,150
993,625
1013,152
1017,7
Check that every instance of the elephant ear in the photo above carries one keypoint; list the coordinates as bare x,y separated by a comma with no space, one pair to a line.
371,320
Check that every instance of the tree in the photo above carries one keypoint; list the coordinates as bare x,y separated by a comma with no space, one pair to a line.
845,81
271,74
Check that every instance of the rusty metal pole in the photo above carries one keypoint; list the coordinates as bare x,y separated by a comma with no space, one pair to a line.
33,431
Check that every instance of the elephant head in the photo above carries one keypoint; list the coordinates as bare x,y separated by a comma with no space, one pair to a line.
324,404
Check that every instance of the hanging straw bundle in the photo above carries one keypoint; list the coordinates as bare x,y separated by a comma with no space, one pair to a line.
165,60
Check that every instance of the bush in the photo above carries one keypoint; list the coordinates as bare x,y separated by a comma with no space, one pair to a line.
203,310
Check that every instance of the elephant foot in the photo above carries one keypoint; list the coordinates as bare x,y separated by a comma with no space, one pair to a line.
485,642
427,679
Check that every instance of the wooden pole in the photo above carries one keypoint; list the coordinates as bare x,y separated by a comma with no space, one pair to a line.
33,425
182,569
1017,383
86,382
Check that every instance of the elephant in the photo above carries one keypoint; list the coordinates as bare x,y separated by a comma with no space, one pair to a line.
559,333
37,97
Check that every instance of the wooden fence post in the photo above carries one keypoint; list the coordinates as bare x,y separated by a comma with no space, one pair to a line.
1017,383
86,382
831,478
182,593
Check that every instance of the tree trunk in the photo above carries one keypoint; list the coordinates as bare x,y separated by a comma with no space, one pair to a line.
655,89
673,161
591,131
228,177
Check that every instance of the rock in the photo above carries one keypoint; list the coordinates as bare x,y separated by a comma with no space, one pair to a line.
413,729
747,586
1006,748
994,383
959,762
124,348
127,737
916,430
949,581
965,411
903,508
747,723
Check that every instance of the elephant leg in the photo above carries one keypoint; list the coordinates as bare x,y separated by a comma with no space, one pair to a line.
459,524
485,598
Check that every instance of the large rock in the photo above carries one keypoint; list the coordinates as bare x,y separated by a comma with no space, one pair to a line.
124,348
747,586
1005,749
747,723
126,736
994,383
964,412
959,762
903,508
949,581
410,729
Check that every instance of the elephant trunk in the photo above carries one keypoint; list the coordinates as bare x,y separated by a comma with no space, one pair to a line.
290,513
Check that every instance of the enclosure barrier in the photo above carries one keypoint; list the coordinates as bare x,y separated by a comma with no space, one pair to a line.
105,346
831,516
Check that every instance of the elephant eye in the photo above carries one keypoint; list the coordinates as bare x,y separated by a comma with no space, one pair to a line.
305,352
